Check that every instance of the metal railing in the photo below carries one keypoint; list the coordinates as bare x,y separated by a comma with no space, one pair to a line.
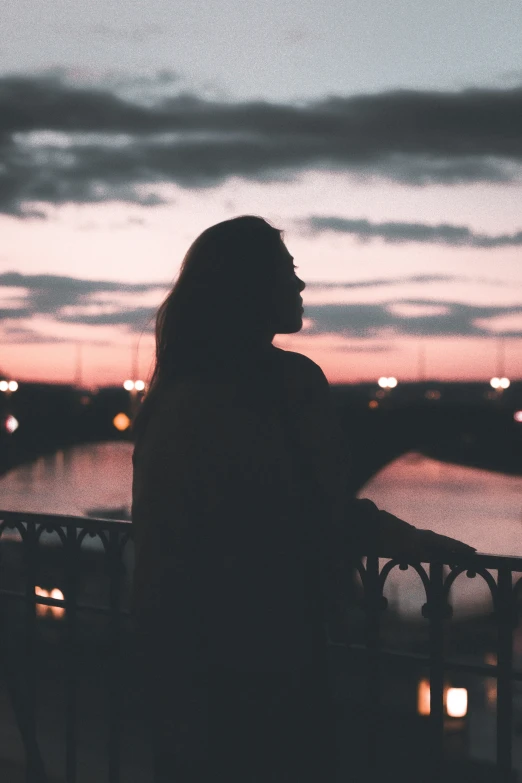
28,541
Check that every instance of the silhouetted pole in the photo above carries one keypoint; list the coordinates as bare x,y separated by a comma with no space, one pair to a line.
501,357
135,370
79,366
422,362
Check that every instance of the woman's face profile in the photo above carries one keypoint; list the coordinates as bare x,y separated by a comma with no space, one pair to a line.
287,303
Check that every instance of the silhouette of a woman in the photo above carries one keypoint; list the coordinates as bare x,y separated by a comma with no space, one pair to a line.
240,513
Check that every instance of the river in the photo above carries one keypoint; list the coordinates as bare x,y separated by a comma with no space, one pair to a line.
477,506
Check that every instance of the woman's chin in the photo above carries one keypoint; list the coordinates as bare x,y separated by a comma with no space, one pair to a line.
292,327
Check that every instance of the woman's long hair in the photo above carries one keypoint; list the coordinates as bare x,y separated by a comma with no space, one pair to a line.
218,309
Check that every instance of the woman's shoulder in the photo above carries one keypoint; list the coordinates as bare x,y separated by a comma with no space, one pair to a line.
301,371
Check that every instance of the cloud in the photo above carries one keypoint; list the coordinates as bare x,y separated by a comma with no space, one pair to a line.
71,300
455,319
379,282
63,142
138,319
26,336
51,293
398,232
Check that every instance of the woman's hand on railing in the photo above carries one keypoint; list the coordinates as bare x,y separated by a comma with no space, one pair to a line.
423,545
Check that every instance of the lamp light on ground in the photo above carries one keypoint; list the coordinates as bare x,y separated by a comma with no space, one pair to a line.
57,611
457,702
423,697
392,382
504,383
121,421
518,416
43,610
11,424
495,383
4,386
383,382
128,385
139,385
12,386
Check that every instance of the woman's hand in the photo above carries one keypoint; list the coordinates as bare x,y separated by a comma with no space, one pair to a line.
425,545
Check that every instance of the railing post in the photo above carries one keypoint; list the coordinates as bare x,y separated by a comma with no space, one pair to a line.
115,664
505,616
436,614
373,601
71,663
24,698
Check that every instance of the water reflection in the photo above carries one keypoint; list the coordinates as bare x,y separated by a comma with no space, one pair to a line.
71,481
482,508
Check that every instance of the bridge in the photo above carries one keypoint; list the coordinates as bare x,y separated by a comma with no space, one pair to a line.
464,423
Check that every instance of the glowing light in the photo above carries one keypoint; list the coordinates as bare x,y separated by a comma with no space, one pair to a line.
495,383
57,611
504,383
42,610
423,697
128,385
387,383
432,394
121,421
373,404
11,424
457,702
517,416
139,385
12,385
4,386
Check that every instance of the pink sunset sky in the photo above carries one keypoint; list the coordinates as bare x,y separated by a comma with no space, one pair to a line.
395,174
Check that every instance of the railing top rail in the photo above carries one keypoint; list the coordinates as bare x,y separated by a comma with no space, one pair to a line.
63,520
470,562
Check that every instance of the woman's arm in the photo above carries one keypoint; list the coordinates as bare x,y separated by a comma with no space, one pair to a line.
364,526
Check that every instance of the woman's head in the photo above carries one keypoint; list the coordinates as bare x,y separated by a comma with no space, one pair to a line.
236,289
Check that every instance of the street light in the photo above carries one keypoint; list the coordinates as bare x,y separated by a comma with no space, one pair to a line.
121,421
500,383
387,383
8,386
11,424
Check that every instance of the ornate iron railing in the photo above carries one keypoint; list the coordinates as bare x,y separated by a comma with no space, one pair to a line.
29,540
